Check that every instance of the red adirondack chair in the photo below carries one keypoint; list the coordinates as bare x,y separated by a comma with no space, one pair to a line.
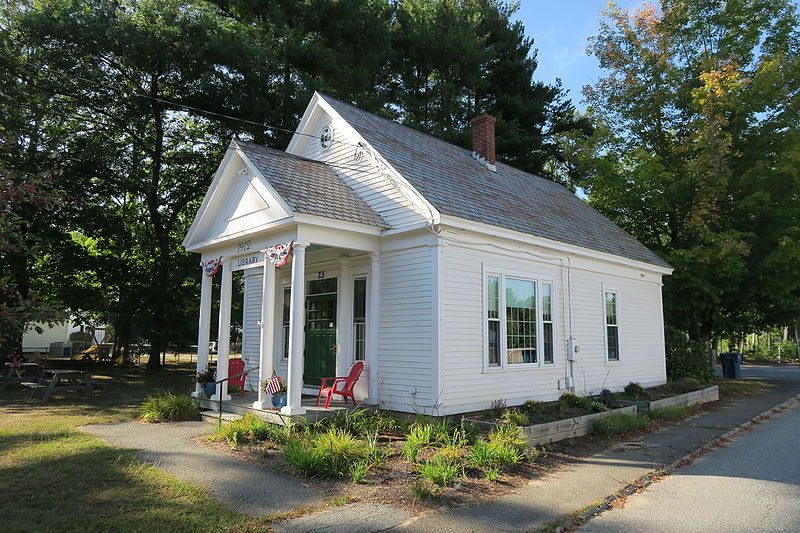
346,389
236,366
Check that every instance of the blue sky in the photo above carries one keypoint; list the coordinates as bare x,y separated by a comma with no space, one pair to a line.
560,30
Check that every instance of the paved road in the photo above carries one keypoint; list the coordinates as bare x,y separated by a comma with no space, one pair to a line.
771,372
751,485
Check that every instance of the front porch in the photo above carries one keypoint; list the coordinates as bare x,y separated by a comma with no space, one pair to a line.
240,405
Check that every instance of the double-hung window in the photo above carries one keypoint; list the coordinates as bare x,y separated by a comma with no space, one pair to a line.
519,321
611,304
359,318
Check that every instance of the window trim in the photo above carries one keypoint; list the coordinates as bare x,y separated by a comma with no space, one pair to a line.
618,325
504,365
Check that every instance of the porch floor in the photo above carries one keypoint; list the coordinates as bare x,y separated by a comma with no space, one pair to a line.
239,405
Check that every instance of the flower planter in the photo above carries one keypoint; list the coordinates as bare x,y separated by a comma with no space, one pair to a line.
709,394
278,400
209,388
562,429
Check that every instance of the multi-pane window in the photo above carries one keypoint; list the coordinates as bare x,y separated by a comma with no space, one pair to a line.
359,318
493,295
287,305
612,326
547,322
519,321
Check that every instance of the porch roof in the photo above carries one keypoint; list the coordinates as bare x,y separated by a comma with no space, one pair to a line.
309,187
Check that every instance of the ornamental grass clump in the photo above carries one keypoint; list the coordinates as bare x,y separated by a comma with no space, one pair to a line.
329,454
166,406
248,428
619,423
442,468
419,436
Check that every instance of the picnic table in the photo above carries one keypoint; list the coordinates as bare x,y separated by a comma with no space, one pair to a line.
10,372
61,379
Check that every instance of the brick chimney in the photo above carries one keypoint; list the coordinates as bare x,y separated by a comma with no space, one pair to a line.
483,138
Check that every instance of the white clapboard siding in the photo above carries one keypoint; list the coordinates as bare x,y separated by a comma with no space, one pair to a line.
40,342
362,176
405,377
469,386
251,331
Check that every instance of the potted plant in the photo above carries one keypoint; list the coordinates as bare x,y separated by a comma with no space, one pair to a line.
206,378
277,388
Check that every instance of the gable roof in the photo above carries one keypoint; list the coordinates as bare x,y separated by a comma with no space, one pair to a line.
458,185
309,187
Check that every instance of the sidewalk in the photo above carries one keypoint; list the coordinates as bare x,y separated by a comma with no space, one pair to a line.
245,487
543,503
553,498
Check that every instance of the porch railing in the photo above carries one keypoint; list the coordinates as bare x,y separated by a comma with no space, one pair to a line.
218,388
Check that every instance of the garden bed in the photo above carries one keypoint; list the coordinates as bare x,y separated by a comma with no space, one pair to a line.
565,428
377,457
705,395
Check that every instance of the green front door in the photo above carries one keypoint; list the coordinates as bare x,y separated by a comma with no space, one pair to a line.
320,352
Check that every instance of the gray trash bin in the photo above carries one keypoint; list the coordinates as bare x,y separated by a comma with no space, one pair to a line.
731,365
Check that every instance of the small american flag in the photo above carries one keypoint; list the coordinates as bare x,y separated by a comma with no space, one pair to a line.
274,385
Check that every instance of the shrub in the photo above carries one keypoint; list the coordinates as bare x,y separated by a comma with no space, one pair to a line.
686,358
516,418
532,408
442,469
635,391
247,428
621,423
569,400
168,406
606,397
688,385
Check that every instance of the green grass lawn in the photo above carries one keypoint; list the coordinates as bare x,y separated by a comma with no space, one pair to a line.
56,478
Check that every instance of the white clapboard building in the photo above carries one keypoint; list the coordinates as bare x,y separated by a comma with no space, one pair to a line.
457,279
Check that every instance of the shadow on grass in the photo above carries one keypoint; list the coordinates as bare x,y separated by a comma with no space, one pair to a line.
93,487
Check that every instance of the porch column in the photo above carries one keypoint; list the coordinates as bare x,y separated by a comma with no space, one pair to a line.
224,341
373,323
265,359
296,332
204,328
344,319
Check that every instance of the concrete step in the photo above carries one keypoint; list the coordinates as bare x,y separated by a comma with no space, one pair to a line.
213,416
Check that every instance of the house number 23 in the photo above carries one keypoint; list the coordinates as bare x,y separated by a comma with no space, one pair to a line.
320,274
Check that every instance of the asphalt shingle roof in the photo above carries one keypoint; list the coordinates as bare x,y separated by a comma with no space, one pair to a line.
457,185
308,186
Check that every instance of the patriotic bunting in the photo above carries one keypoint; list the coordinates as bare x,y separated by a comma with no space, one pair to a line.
211,266
279,254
